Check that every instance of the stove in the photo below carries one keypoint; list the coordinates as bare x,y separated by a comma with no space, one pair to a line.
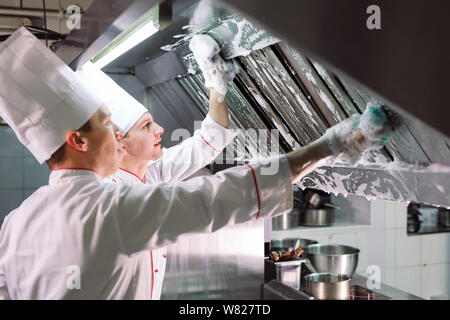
361,293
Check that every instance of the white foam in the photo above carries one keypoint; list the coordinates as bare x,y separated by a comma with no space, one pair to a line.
216,71
341,138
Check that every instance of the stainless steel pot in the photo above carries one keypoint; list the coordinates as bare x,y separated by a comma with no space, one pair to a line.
328,286
286,221
285,244
332,258
317,217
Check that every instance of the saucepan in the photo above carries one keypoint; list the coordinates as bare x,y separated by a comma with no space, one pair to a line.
286,221
317,217
328,286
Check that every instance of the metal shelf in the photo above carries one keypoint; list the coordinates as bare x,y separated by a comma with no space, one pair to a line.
340,226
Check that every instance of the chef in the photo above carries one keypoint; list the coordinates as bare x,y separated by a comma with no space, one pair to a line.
140,143
74,238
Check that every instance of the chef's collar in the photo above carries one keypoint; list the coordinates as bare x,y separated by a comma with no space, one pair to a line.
144,180
59,174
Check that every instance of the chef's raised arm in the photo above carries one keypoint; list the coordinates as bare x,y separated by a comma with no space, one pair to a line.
215,134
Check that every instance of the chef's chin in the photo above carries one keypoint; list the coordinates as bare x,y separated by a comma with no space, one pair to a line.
158,154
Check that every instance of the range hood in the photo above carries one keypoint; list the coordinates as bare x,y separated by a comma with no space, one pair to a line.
292,88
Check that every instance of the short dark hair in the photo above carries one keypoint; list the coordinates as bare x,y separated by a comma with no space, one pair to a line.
58,156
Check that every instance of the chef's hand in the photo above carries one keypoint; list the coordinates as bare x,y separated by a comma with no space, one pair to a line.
348,140
358,134
216,71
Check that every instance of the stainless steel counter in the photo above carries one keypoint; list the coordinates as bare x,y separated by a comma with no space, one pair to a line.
393,293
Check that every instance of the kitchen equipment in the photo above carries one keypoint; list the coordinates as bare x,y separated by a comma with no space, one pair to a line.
286,221
286,244
360,293
444,217
316,201
277,290
317,217
328,286
413,218
288,272
332,258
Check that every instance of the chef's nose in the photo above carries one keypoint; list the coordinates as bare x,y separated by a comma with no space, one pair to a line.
158,130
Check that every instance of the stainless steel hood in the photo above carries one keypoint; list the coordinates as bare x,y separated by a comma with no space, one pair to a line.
281,88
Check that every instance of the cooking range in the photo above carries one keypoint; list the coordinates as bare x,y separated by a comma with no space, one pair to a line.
360,293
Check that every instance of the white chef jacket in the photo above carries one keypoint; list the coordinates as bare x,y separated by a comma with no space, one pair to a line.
79,221
178,163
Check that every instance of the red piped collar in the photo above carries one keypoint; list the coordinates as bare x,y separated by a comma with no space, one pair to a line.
142,180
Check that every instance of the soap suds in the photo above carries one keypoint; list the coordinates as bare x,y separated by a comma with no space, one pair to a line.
394,180
216,71
358,135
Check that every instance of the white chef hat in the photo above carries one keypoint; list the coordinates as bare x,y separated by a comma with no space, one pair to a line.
125,110
41,98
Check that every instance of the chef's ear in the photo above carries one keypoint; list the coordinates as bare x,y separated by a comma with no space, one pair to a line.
77,141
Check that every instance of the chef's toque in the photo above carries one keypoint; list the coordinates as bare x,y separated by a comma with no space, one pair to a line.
125,110
41,98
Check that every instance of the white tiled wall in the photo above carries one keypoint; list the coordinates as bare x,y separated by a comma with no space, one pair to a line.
20,173
416,264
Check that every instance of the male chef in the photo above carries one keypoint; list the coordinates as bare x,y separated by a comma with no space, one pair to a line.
74,238
140,143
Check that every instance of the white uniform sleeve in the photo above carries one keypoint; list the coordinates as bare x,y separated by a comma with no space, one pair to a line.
183,160
153,216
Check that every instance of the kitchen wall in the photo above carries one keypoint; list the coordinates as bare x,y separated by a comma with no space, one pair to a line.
416,264
20,173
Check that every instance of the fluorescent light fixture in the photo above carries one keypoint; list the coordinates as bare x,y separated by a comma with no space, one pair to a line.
123,43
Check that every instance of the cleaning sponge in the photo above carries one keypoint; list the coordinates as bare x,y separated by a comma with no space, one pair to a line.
359,134
216,71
